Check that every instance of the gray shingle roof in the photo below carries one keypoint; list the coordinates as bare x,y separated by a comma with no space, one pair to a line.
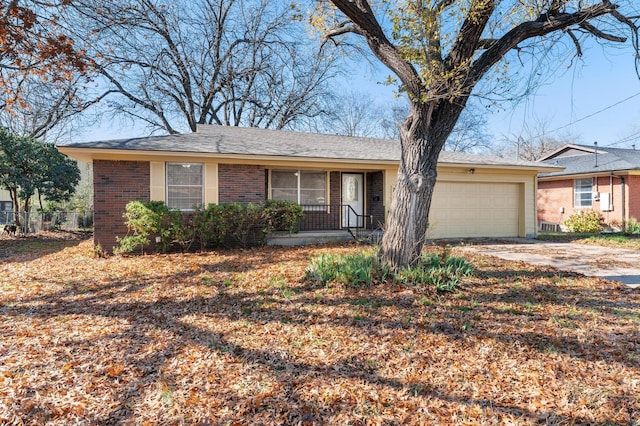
222,140
609,160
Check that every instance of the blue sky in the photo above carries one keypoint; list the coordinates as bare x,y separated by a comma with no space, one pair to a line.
597,99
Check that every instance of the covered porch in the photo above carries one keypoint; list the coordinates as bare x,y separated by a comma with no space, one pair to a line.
356,202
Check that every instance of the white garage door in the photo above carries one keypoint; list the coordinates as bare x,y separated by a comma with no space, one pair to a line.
461,209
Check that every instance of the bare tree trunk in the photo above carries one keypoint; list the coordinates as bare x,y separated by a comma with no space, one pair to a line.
27,211
13,194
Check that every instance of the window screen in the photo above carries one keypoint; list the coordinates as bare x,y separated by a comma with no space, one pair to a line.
184,185
582,193
299,186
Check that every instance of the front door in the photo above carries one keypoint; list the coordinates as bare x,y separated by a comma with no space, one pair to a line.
352,200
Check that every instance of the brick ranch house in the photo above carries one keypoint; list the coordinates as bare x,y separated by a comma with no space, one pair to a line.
593,178
342,182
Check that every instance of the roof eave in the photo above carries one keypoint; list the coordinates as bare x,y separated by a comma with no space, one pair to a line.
538,169
591,173
90,154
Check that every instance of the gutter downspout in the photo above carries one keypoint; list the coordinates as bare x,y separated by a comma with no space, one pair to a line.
622,187
622,198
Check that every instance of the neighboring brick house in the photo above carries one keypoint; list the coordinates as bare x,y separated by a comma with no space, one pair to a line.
342,182
603,179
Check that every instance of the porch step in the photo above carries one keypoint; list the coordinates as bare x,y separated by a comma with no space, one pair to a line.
305,238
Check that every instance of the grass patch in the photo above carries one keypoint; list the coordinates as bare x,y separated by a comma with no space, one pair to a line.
440,271
348,269
617,240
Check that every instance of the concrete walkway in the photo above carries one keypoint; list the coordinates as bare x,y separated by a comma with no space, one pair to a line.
594,261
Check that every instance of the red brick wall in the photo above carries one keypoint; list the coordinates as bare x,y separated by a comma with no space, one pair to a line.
607,185
632,198
552,195
335,182
241,183
115,183
375,189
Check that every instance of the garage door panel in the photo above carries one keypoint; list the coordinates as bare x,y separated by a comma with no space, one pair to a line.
460,209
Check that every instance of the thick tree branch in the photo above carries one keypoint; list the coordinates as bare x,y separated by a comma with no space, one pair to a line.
486,43
360,13
545,24
467,40
601,34
342,28
443,5
576,42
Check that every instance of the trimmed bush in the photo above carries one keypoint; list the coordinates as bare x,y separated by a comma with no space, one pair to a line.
587,221
233,224
282,215
240,221
144,220
209,225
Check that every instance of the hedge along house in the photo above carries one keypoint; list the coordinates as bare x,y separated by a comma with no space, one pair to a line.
342,182
592,178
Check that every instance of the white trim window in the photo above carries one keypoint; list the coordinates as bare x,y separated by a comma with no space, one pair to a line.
582,193
185,187
300,186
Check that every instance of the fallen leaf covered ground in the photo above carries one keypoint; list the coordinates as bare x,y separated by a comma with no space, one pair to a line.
236,337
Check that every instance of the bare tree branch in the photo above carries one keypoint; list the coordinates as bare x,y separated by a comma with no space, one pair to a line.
601,34
229,62
342,28
360,13
545,24
576,42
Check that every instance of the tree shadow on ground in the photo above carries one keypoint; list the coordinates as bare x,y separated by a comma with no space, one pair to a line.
211,323
25,248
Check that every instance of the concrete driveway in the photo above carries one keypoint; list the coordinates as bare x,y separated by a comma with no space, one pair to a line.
594,261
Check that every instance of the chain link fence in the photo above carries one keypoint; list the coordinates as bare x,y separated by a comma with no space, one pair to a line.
48,221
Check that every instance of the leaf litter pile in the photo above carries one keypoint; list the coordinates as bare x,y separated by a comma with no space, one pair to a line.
237,337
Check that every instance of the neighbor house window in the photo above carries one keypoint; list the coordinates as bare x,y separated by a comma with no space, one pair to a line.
184,185
582,193
299,186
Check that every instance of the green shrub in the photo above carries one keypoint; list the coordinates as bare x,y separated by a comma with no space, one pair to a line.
209,225
281,215
588,221
181,232
242,221
631,226
144,220
441,271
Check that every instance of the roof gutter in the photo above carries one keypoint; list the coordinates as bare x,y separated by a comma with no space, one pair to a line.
89,154
588,174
